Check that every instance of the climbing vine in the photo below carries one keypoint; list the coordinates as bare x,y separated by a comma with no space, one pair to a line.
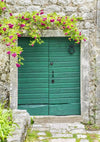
34,23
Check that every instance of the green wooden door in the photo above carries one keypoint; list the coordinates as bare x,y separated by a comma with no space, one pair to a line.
49,81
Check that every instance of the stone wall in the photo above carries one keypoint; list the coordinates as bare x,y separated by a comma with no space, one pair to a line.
4,75
98,64
88,10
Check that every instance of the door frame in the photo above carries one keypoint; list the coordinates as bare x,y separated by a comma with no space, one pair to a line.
84,75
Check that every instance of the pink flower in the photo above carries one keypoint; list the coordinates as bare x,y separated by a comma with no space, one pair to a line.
71,25
33,17
37,14
66,33
44,19
8,52
84,39
14,40
59,19
20,52
0,25
18,35
68,27
42,24
41,12
35,37
52,20
63,27
80,33
75,40
72,20
14,55
8,44
26,18
48,27
10,37
4,29
22,17
3,8
22,25
64,22
32,45
10,14
2,0
75,30
18,65
10,25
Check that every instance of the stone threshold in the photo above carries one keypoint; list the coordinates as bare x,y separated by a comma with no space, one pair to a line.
57,119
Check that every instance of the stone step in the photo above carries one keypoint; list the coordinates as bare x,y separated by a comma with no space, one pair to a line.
57,119
73,127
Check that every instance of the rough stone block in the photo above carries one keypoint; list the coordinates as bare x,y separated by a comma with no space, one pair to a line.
52,33
52,8
33,8
76,2
24,2
84,8
88,25
19,9
40,2
20,132
70,9
65,2
53,1
88,16
12,2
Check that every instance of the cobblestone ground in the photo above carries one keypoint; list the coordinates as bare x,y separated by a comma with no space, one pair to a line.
64,132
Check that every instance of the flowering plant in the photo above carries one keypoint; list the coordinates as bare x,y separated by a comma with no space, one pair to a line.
2,6
15,26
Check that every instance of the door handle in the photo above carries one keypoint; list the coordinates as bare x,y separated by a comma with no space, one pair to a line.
52,74
51,63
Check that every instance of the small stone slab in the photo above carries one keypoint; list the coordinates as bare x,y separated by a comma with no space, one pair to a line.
84,140
41,133
81,136
78,131
63,140
62,135
41,138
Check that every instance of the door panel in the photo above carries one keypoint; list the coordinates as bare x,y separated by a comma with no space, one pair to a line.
33,78
64,91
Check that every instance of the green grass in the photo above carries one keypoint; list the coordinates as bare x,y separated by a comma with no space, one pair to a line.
32,136
92,137
48,134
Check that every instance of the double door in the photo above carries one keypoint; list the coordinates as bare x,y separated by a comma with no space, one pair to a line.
49,81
